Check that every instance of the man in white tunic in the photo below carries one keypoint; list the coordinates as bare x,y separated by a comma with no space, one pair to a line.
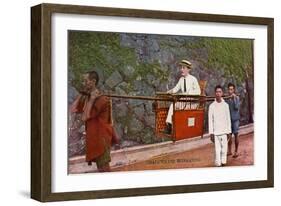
219,126
188,85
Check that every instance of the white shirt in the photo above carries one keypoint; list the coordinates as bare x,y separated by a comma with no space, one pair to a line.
219,118
192,86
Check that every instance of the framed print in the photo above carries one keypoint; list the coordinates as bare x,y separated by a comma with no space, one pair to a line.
130,102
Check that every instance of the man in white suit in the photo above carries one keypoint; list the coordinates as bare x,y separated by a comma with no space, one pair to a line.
219,126
188,85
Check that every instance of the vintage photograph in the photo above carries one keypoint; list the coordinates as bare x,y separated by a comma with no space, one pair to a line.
153,101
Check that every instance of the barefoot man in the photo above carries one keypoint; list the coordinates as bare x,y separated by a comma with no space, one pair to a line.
234,105
96,113
219,126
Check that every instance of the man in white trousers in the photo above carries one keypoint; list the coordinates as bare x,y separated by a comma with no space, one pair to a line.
219,126
188,85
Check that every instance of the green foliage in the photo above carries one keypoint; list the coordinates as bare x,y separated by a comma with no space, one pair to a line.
233,56
99,50
155,69
88,50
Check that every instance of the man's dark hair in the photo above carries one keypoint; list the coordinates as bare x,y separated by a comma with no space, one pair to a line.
218,87
93,75
231,85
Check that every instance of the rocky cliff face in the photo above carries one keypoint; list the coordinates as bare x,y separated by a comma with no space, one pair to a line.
149,64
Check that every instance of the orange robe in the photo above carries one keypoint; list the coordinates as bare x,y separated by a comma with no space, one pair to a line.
100,133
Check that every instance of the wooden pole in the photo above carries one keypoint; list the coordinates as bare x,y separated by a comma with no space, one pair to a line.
169,97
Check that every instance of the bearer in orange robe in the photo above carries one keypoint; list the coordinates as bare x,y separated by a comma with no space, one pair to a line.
96,113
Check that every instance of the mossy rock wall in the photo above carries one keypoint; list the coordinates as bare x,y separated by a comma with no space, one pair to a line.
141,64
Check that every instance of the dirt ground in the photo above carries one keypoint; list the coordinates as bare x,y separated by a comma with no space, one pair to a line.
196,158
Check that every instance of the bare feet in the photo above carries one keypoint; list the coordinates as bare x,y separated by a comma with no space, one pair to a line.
235,155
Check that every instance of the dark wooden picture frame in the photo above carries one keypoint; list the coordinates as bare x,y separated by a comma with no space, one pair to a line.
41,117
